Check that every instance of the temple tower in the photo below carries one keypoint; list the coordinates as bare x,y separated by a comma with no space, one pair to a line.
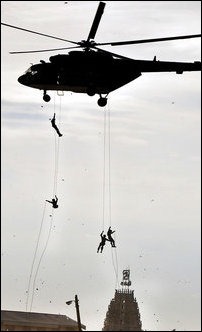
123,312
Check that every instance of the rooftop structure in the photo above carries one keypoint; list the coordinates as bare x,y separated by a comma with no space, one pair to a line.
34,321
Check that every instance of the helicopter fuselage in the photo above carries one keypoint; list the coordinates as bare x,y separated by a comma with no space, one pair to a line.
94,72
81,72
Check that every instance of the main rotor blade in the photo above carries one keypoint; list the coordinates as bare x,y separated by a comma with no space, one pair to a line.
114,54
142,41
96,21
38,33
50,50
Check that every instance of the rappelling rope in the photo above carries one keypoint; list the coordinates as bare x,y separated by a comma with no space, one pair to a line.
30,276
57,148
109,166
57,144
113,252
107,178
43,252
104,172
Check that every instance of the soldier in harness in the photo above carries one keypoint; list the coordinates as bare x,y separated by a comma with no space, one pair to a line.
102,243
54,202
109,234
54,126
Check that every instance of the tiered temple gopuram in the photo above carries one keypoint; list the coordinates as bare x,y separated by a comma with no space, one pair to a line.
123,312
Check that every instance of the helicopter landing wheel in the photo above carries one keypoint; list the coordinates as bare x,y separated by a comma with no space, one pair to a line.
46,97
102,101
90,91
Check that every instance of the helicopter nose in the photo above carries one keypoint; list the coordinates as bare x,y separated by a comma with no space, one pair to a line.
22,80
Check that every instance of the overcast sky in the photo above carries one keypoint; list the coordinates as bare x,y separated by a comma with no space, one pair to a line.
155,134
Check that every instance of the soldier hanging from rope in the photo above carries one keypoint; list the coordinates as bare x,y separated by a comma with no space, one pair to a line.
54,202
103,242
54,126
109,235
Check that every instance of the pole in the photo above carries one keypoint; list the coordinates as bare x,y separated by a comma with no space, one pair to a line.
77,313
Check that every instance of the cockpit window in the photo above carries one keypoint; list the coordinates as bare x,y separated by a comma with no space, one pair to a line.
28,71
31,71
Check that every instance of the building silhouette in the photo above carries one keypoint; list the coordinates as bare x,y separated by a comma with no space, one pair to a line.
34,321
123,312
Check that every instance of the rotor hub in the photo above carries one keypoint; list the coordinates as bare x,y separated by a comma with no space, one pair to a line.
87,43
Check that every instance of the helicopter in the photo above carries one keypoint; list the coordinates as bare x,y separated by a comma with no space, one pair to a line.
93,70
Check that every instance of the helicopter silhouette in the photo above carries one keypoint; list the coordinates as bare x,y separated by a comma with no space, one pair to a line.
93,70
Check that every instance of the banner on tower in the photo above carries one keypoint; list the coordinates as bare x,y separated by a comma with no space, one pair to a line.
126,278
